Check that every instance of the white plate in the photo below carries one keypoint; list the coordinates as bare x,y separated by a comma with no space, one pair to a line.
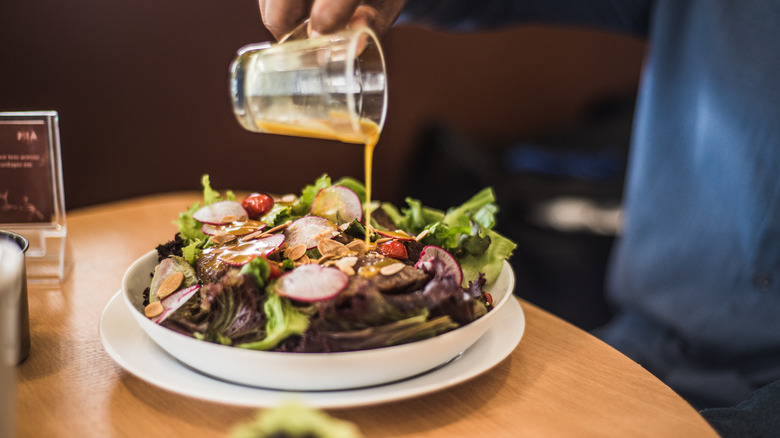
132,349
293,371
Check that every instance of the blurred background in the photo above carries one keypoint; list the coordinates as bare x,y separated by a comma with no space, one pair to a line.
541,114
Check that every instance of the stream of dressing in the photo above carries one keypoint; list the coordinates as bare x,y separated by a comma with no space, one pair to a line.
368,136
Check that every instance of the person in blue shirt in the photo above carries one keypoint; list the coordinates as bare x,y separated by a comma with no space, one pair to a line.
695,275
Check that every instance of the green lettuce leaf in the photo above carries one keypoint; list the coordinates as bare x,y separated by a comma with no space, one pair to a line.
466,231
480,208
277,215
259,269
283,321
415,218
491,261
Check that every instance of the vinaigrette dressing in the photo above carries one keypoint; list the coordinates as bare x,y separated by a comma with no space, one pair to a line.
368,136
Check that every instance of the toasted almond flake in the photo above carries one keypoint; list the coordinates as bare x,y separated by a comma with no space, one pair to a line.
170,284
346,269
347,261
221,239
243,218
305,260
288,198
383,240
325,258
332,247
228,218
278,227
252,235
391,269
296,251
153,309
422,234
357,246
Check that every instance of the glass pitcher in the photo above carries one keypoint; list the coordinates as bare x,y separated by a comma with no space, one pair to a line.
330,87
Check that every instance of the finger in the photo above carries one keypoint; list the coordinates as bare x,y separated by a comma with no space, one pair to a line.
328,16
364,16
379,18
281,16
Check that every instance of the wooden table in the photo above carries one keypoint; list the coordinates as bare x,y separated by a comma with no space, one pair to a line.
559,381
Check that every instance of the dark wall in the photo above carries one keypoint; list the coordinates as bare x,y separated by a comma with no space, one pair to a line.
141,89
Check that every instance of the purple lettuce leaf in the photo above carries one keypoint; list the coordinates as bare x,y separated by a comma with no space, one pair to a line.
234,307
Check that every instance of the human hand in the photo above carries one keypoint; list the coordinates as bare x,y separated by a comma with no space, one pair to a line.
327,16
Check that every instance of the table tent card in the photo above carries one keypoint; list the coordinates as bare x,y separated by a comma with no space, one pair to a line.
31,193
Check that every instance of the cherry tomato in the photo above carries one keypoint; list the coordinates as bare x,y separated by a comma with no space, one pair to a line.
393,249
257,204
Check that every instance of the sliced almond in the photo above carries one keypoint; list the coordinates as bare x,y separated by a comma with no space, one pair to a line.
357,246
324,259
347,261
153,309
278,227
170,284
221,239
346,269
288,198
391,269
252,235
296,252
383,240
422,234
332,247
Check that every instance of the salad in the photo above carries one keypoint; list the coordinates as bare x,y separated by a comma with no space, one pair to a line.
304,273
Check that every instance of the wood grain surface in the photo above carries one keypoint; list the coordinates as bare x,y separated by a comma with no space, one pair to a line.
559,381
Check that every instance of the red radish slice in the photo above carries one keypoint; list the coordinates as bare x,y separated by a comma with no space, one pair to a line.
397,234
219,213
210,229
244,252
309,283
451,266
174,301
309,230
338,204
235,228
161,272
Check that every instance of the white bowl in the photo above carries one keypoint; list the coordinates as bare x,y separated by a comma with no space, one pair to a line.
310,371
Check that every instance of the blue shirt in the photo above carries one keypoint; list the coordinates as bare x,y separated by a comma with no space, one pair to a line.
699,254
